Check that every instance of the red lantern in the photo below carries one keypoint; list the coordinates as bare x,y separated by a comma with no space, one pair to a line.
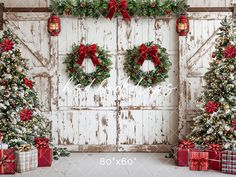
54,25
182,25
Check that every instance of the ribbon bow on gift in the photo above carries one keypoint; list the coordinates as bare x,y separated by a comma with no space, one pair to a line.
215,147
24,148
41,143
90,51
121,7
198,161
151,52
186,144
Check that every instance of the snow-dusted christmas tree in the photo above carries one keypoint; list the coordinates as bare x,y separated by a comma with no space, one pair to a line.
20,120
218,101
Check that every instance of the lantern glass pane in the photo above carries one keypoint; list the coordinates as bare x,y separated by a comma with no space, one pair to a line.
53,26
182,26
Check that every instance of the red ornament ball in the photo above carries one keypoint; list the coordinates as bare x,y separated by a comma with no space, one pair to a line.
26,115
3,82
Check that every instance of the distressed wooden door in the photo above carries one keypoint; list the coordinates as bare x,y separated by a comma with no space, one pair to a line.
41,53
112,120
194,56
115,120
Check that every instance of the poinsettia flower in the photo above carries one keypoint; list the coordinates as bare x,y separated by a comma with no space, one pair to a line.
211,106
26,114
28,83
230,51
6,45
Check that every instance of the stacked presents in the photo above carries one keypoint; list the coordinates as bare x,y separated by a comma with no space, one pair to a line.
212,157
25,158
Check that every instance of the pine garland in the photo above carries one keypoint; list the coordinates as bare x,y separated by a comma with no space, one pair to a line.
97,8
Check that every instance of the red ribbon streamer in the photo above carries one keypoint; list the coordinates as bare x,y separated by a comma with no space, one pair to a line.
186,144
145,52
121,7
41,143
90,51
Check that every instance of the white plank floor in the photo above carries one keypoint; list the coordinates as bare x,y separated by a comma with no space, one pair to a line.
138,165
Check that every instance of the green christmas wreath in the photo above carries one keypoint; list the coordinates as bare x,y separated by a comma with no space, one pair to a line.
135,57
100,59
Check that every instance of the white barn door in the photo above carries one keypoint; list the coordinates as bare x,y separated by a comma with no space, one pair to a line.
194,56
117,120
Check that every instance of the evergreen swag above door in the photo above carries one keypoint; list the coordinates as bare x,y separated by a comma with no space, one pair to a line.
125,8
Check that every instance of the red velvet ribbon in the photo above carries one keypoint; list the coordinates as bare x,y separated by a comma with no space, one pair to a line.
41,143
186,144
121,7
198,161
215,147
90,51
151,52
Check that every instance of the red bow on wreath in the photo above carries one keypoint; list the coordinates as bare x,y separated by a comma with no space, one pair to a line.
121,7
215,147
211,106
186,144
145,52
90,51
41,143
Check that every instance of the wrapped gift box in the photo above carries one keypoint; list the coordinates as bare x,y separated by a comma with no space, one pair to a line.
214,160
45,156
3,146
26,161
181,152
181,156
228,161
198,160
7,161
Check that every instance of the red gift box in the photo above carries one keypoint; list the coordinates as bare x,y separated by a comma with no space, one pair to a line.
45,156
181,152
198,161
181,156
7,161
215,152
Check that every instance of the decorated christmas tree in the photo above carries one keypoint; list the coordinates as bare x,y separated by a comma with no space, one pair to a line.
218,101
20,119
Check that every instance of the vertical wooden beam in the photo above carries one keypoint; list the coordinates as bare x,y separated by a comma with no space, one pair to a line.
182,86
234,14
1,15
